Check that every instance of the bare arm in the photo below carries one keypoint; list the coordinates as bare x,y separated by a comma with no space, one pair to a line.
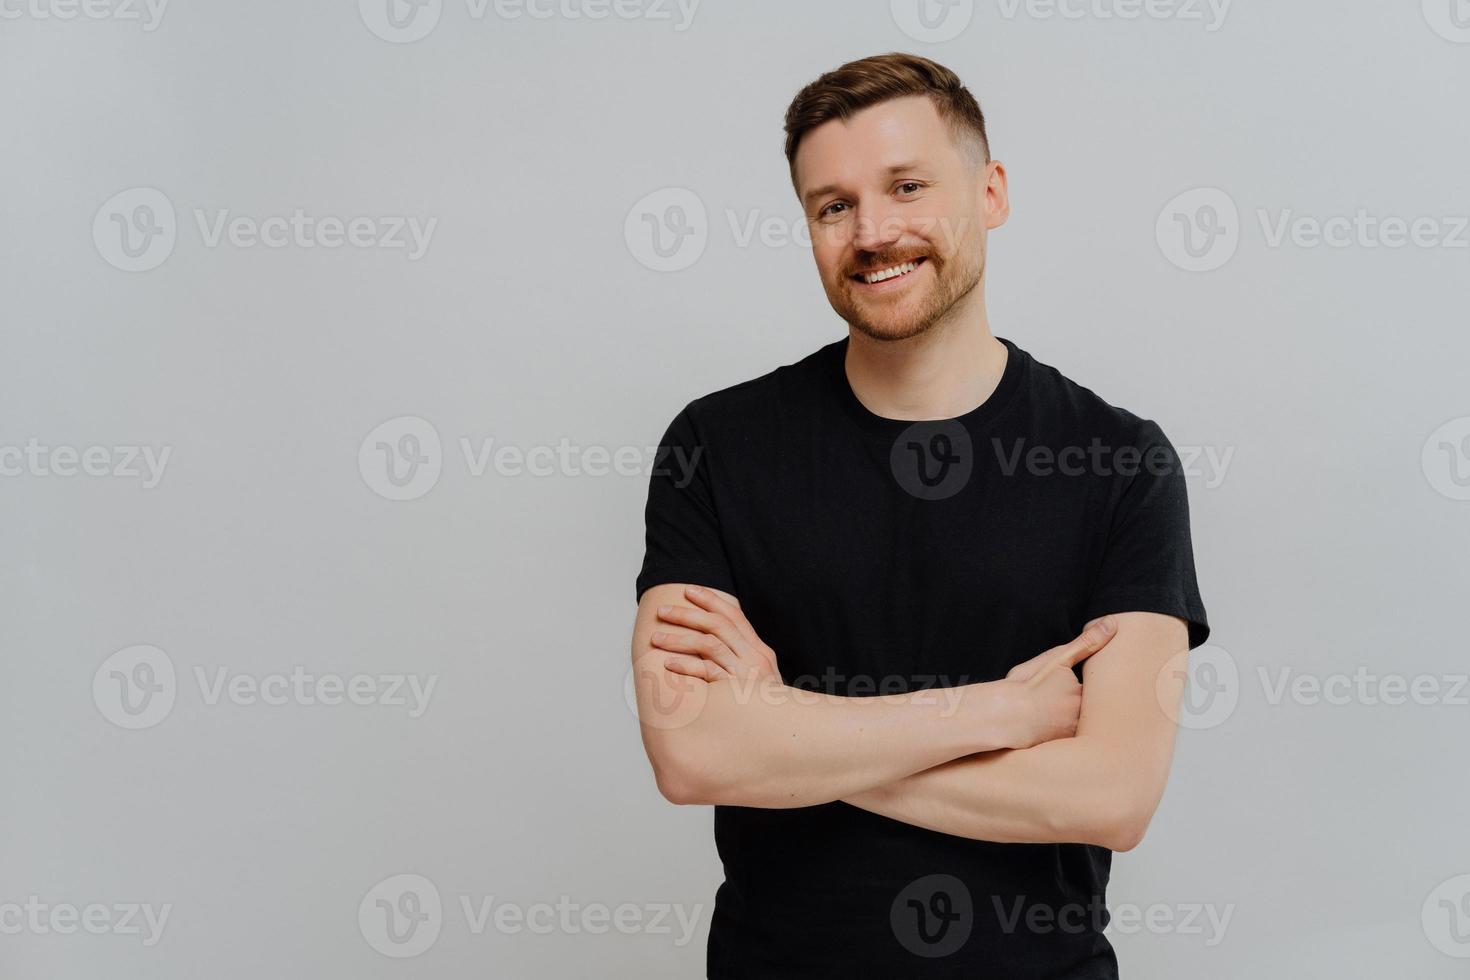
739,736
1100,787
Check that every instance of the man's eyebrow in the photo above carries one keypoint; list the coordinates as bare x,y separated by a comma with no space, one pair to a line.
892,170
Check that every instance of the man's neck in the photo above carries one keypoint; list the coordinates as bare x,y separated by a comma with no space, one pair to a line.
944,372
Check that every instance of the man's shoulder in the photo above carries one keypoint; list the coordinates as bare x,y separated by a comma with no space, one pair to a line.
1080,410
772,392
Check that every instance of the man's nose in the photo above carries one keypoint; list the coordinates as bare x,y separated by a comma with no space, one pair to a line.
878,227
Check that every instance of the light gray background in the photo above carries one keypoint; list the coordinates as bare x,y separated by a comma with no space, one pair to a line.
1333,544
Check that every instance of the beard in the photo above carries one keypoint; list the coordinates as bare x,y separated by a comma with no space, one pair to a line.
908,316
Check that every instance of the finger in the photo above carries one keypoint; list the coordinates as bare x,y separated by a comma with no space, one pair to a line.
692,666
699,645
1094,636
707,622
707,599
714,602
1093,639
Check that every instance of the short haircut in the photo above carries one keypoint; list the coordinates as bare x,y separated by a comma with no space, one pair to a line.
840,93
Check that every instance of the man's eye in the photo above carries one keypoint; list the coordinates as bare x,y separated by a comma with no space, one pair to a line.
915,185
828,211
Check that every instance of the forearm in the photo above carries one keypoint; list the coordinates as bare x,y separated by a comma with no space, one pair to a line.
1072,790
1099,787
769,745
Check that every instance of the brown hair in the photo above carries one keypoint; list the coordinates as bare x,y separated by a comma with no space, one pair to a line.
840,93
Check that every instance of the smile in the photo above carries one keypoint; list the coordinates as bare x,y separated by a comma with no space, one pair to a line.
892,272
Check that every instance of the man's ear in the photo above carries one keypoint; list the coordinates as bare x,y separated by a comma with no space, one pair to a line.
997,195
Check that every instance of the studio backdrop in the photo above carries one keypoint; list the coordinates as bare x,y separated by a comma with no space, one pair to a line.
335,342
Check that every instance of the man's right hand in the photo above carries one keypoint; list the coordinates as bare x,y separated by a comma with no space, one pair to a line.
1046,695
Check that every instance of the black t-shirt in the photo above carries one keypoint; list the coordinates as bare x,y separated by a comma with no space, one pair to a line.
877,556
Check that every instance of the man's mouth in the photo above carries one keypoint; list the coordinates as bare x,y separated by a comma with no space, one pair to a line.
874,276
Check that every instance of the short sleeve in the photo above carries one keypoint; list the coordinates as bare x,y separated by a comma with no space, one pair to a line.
1148,559
682,538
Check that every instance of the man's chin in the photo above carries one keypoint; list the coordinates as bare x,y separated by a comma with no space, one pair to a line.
887,328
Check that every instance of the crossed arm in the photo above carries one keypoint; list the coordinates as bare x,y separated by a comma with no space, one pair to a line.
1033,758
1100,786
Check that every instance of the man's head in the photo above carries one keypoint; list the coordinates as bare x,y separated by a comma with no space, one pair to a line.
891,163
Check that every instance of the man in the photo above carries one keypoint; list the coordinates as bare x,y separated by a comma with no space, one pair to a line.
856,598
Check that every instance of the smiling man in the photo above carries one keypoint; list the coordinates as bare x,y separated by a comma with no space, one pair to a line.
915,624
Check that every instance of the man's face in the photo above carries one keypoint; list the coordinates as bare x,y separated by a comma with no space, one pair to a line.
886,188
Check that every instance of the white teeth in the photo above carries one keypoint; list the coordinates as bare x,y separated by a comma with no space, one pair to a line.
898,270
